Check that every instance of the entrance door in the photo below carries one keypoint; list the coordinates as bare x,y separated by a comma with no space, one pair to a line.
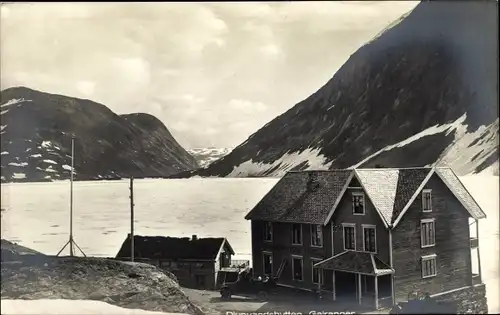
346,286
267,263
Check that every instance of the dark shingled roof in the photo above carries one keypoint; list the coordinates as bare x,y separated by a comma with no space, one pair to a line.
172,248
351,261
302,197
309,196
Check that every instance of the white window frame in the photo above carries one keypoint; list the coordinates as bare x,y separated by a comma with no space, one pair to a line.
334,228
344,225
301,265
426,191
264,254
313,262
422,235
314,228
429,258
365,227
266,227
357,194
301,234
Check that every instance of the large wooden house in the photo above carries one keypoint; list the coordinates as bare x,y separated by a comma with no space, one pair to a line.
374,235
196,262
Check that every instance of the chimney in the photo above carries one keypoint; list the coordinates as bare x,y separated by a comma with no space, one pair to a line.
194,237
312,183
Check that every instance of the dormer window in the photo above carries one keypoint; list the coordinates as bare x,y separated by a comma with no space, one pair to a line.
268,232
358,203
426,200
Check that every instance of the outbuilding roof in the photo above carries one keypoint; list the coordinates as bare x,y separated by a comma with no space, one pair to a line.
173,248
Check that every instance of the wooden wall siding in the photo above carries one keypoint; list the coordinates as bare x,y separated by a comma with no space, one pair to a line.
453,259
186,274
217,265
282,248
344,214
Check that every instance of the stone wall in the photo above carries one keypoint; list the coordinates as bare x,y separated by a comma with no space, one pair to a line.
468,300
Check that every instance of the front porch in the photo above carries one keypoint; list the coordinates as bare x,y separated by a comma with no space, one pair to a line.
357,277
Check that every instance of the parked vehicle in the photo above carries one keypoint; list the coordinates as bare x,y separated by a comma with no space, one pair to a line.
246,284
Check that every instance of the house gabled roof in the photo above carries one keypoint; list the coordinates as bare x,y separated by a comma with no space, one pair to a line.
391,191
302,197
174,248
380,186
458,189
358,262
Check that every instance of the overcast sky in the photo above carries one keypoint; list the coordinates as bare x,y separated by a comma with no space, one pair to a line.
214,73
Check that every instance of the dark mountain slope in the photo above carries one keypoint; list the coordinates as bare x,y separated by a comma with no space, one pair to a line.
36,140
420,94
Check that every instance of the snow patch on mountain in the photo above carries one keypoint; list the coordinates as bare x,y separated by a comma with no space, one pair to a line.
458,124
206,156
468,150
23,164
472,149
305,160
46,144
493,169
66,167
14,101
19,176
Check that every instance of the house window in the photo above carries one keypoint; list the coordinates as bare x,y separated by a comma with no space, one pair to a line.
349,236
268,263
296,234
428,233
369,239
316,235
358,203
316,272
268,232
429,266
426,200
297,268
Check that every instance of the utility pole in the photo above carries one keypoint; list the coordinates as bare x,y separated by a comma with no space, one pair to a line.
132,218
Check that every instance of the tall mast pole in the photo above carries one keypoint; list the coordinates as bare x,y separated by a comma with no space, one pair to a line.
71,197
132,218
71,241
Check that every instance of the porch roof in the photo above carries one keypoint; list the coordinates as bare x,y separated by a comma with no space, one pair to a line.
356,262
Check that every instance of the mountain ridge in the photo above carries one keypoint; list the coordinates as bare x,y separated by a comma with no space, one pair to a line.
36,140
426,88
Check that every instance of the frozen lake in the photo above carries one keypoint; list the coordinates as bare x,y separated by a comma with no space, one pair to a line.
36,214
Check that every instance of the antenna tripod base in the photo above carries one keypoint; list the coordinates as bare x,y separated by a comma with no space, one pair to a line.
71,242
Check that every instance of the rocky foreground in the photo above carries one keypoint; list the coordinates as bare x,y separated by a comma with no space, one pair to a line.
29,275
